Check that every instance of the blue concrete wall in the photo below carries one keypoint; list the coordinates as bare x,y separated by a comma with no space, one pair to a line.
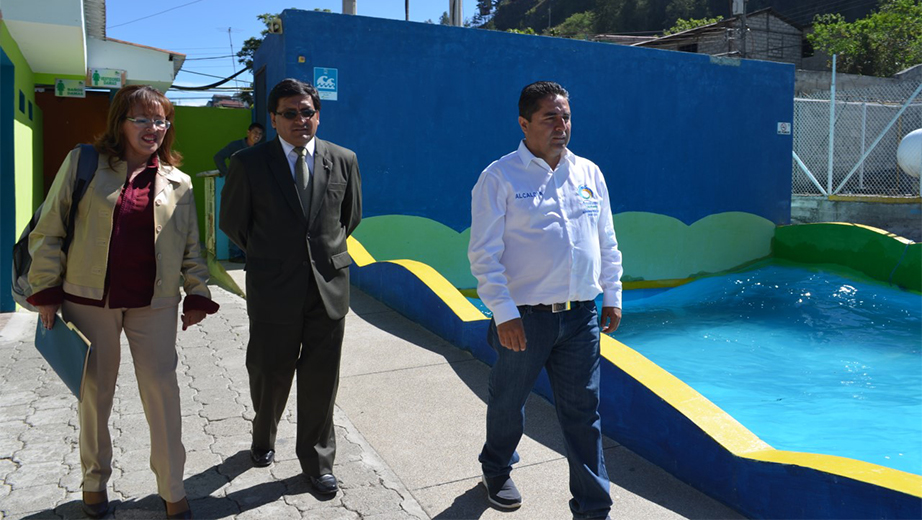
427,107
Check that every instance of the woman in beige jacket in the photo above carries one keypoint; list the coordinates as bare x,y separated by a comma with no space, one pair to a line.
135,242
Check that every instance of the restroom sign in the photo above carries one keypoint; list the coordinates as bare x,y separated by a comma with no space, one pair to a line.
326,81
69,88
784,128
106,78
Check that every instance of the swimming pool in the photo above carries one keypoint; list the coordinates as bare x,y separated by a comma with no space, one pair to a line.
808,361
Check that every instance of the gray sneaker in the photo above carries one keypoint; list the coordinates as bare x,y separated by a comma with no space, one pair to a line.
501,492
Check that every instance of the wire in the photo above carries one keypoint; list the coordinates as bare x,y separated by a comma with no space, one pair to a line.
201,74
155,14
215,84
212,57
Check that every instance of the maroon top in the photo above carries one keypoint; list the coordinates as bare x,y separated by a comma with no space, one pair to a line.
132,266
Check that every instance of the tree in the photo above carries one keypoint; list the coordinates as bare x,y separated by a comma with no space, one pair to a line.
880,44
248,50
684,25
579,26
687,10
444,19
245,56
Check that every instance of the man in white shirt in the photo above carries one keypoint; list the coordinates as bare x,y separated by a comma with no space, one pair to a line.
542,248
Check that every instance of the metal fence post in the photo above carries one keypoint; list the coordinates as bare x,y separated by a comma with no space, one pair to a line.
864,126
832,125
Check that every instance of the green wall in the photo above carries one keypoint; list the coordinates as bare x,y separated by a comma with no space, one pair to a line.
655,247
871,251
200,133
27,134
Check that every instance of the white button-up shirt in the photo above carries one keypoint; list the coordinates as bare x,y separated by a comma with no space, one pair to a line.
542,235
292,155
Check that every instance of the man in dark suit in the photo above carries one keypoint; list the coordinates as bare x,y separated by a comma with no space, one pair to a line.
290,204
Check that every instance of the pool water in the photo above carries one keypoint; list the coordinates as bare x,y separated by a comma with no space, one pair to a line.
808,361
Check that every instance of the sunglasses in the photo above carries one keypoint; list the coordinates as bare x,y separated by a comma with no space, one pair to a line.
291,115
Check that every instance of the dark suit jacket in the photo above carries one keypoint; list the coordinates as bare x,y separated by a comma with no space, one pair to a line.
260,212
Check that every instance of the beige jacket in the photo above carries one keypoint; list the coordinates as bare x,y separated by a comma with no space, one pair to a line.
82,271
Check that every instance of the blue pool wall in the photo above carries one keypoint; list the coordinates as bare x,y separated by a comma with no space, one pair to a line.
428,107
661,419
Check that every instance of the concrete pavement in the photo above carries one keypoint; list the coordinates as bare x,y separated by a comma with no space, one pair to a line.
409,423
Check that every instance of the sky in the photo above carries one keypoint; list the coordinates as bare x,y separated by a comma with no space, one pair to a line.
207,31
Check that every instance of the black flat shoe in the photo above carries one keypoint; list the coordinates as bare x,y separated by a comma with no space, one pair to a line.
325,484
182,515
97,510
262,458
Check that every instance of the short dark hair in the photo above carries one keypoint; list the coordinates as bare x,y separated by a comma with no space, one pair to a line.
292,87
256,125
531,96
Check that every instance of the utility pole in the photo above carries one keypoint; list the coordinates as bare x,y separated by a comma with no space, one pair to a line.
456,13
406,5
743,31
349,6
233,61
738,8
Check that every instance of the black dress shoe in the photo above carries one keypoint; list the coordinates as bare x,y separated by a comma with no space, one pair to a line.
262,458
325,484
97,510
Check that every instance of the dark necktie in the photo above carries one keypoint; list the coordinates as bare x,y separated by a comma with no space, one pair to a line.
303,181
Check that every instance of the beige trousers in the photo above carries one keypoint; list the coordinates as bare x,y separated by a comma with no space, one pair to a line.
151,337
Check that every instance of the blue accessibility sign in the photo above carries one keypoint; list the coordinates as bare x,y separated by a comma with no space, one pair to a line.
326,81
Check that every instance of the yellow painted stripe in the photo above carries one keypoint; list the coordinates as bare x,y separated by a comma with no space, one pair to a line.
902,481
869,228
443,289
735,437
715,422
880,200
359,254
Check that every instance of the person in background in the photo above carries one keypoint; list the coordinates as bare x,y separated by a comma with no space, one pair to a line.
135,244
290,204
542,249
254,135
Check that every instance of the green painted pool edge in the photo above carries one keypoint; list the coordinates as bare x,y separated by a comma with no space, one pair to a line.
881,256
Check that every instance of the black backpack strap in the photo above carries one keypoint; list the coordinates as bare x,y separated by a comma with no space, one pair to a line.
86,170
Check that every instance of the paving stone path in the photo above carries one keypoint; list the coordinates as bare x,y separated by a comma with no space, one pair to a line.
40,464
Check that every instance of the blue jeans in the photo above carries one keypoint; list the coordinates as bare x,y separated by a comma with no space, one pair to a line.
567,345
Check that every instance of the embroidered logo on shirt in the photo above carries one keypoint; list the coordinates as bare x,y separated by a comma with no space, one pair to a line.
529,194
590,204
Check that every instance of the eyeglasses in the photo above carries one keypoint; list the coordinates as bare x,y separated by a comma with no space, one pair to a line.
143,121
291,115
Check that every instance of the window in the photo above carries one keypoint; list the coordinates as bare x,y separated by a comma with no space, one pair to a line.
775,47
806,49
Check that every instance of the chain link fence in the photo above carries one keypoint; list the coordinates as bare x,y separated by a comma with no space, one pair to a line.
869,123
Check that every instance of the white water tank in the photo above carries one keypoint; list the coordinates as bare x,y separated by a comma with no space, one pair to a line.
909,153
